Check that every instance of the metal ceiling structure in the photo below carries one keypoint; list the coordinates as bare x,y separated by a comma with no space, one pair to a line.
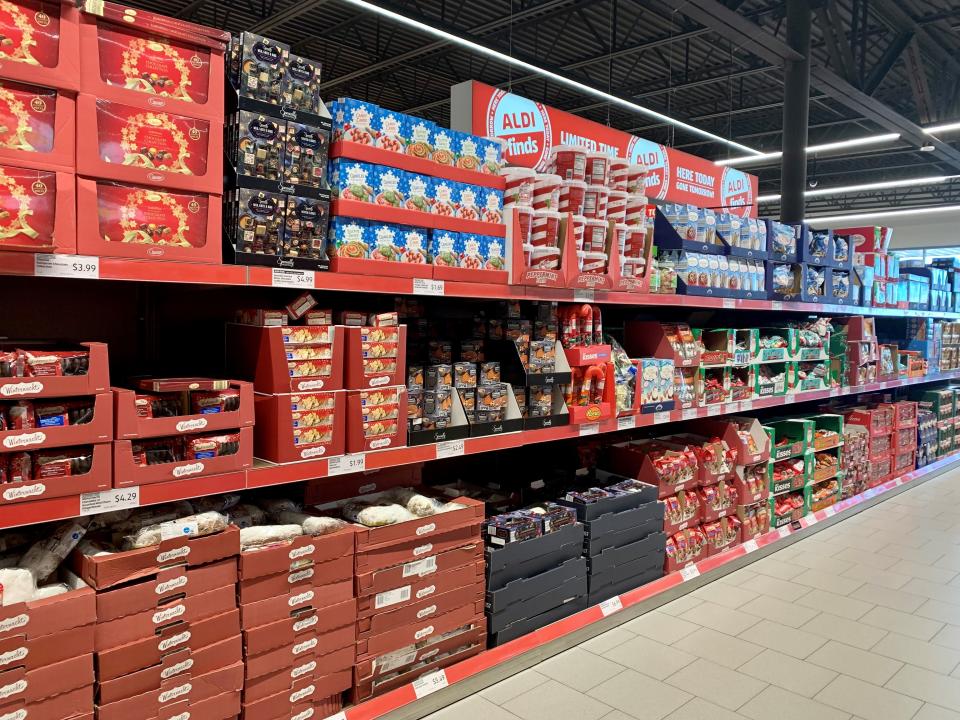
879,66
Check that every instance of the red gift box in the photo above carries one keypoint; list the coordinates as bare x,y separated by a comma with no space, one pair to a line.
375,433
280,435
130,425
98,478
122,220
358,371
98,430
96,380
152,147
44,43
39,207
262,354
40,127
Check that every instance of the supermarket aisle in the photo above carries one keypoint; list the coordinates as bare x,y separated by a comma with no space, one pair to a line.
862,621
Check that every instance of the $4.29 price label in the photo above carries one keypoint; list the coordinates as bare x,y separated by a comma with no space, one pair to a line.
109,500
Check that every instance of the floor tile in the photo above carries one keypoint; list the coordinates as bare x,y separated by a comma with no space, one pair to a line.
798,643
514,686
663,628
799,676
552,699
936,610
680,605
730,596
883,578
732,622
867,701
916,652
949,636
700,709
474,707
867,666
649,657
775,587
828,581
934,712
905,552
616,715
719,685
579,669
927,686
894,599
916,627
823,563
781,612
865,558
934,591
774,567
834,627
841,605
718,647
636,695
775,703
924,572
608,640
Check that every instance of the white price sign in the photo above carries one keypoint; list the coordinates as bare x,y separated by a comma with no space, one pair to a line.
776,305
85,267
784,531
343,464
751,546
628,422
430,683
729,304
689,573
109,500
834,392
296,279
713,410
830,511
449,448
609,607
746,405
584,295
661,417
690,414
337,716
589,429
422,286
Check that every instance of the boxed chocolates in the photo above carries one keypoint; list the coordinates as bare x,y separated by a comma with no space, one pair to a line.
37,211
40,125
41,43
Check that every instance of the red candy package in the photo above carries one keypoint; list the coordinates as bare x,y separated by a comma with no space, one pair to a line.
203,447
207,402
20,416
19,467
28,114
30,32
28,200
62,463
144,216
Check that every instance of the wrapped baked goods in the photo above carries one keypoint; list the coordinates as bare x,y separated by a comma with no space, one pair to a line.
419,505
50,590
246,515
151,516
258,537
198,525
44,557
376,514
216,503
275,506
18,585
311,524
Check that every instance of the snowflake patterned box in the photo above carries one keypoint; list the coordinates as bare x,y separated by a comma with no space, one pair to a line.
152,147
143,222
39,124
37,210
43,43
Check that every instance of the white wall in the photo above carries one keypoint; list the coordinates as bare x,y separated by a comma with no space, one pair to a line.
918,231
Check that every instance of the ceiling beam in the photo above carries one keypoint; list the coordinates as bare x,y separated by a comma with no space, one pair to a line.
889,58
903,20
834,37
917,75
281,18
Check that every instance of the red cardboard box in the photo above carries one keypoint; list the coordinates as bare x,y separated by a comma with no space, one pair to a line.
726,430
31,686
96,380
180,691
50,616
98,430
311,693
361,346
283,607
105,571
148,147
429,604
33,653
135,221
130,425
325,623
44,43
420,528
293,678
281,435
264,354
41,214
184,70
298,553
377,433
378,581
296,582
416,594
413,633
74,704
98,478
41,125
127,472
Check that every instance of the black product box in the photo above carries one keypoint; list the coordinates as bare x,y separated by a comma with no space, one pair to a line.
621,528
524,589
615,503
572,588
599,593
522,627
617,556
531,557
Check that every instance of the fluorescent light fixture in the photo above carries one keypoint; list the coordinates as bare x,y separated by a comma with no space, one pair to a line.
502,57
826,147
819,192
946,127
938,209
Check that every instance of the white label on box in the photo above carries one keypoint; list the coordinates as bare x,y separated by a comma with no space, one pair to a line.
177,669
297,279
14,655
388,662
20,714
109,500
301,551
179,528
296,577
746,405
85,267
423,632
450,448
337,716
344,464
302,625
189,469
661,417
420,567
174,554
426,592
629,422
301,694
422,550
12,442
422,286
391,597
784,531
310,644
17,621
187,425
609,607
24,388
430,683
303,597
304,669
713,410
689,573
174,693
589,429
168,614
729,303
690,414
426,612
750,546
24,491
13,688
173,641
426,529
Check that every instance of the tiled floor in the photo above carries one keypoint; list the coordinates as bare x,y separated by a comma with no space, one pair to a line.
859,622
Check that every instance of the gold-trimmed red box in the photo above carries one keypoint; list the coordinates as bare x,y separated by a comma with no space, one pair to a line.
98,430
126,62
305,600
40,123
41,213
130,425
98,478
377,581
127,472
136,221
148,147
415,594
44,43
104,571
96,380
260,354
182,691
278,432
357,375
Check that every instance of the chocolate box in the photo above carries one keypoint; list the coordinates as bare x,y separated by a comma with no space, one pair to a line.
262,355
525,559
130,425
40,125
98,430
39,207
97,478
136,221
284,434
44,43
96,380
148,146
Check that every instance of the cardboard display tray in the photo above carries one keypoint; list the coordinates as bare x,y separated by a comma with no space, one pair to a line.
399,660
432,604
309,692
524,589
415,589
614,556
606,592
528,625
413,633
284,606
300,625
594,545
377,581
293,582
366,688
571,588
531,557
38,618
417,548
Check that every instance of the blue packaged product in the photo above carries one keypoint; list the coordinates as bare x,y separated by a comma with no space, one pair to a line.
492,250
467,198
350,237
392,130
491,205
444,246
354,121
470,249
468,151
352,180
491,155
444,197
417,191
388,186
413,245
420,138
444,152
384,241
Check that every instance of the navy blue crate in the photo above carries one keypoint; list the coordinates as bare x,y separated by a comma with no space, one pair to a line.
666,237
735,251
799,237
800,288
853,296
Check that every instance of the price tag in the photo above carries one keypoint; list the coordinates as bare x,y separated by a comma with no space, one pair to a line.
689,573
628,422
109,500
429,684
450,448
690,414
589,429
790,396
85,267
584,295
661,417
713,410
834,392
338,716
343,464
729,304
750,546
746,405
609,607
830,511
776,305
422,286
296,279
784,531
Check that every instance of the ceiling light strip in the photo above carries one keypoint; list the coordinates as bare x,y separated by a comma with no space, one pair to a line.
836,219
819,192
825,147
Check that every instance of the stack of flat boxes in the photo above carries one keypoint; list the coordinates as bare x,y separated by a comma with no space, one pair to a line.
905,436
420,586
535,582
167,637
879,422
298,614
942,403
